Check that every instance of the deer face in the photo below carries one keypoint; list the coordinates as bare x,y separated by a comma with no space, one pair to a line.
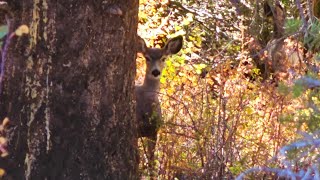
155,60
155,57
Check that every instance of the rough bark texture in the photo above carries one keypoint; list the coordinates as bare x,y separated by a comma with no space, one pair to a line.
68,90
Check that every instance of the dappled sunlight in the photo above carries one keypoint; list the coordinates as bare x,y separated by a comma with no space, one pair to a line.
227,104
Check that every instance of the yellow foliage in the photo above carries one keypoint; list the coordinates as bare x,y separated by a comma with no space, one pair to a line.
3,140
2,172
23,29
211,110
5,121
4,154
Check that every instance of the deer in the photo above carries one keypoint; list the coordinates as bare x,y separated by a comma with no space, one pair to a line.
148,110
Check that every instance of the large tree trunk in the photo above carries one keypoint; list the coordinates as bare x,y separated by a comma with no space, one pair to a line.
68,90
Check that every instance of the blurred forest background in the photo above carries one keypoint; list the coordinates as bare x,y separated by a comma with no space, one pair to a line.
243,94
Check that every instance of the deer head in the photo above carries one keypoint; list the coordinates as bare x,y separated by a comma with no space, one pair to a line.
155,57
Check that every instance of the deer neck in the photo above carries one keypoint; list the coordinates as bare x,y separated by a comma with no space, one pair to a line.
151,84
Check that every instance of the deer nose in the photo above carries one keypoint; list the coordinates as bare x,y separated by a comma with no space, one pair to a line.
155,72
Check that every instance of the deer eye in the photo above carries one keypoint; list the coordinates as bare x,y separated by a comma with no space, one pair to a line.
163,59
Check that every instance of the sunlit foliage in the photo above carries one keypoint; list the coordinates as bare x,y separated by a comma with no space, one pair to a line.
224,111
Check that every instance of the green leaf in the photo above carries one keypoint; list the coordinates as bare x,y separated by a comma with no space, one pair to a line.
3,31
297,90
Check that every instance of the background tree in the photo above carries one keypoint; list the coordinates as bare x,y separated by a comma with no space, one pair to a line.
68,90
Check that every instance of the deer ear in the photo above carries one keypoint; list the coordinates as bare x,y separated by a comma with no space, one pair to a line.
141,45
174,45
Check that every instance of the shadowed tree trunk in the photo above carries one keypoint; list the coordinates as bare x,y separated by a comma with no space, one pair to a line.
68,90
316,8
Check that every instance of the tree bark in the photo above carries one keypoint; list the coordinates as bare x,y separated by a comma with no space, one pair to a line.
68,90
316,8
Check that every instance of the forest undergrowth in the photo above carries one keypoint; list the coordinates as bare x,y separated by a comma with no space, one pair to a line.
239,98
